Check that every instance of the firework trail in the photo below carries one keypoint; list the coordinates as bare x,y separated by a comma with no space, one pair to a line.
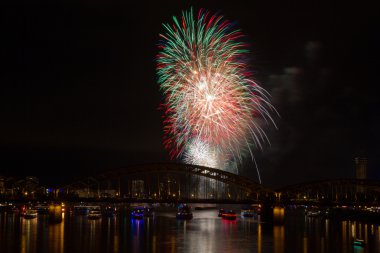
212,106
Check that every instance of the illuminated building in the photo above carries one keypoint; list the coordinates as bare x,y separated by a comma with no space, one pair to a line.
361,167
360,171
2,185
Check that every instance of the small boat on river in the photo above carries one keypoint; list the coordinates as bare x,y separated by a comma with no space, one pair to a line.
248,213
94,214
30,214
184,213
359,242
230,215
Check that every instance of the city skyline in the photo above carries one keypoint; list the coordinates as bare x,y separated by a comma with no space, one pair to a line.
80,93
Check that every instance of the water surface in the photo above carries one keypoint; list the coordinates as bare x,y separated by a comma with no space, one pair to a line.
164,233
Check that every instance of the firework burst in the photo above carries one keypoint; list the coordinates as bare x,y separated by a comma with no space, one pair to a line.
212,105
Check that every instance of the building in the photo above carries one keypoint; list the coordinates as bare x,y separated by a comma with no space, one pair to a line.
361,167
2,185
360,172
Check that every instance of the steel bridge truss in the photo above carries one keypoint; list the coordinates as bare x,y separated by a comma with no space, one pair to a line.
168,181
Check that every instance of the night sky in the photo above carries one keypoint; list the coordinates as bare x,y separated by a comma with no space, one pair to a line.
79,90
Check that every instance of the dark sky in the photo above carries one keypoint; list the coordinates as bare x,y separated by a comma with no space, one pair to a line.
79,92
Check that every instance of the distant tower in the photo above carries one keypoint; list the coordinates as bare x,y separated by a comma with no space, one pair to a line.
361,167
2,185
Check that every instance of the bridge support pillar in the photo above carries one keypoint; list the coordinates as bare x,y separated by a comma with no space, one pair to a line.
270,212
278,215
267,211
55,213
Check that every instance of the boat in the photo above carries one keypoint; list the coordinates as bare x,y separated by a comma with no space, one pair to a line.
359,242
138,213
141,212
30,214
184,213
247,213
256,208
230,215
42,209
221,212
84,209
5,207
313,213
94,214
110,211
80,210
148,211
14,210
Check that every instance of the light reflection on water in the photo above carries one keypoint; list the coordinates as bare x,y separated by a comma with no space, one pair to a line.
56,237
278,239
29,235
205,233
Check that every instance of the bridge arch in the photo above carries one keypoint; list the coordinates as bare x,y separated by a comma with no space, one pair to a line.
185,173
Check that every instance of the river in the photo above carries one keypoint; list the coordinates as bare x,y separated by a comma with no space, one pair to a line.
206,232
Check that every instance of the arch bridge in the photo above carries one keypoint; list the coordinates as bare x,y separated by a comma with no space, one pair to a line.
163,182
